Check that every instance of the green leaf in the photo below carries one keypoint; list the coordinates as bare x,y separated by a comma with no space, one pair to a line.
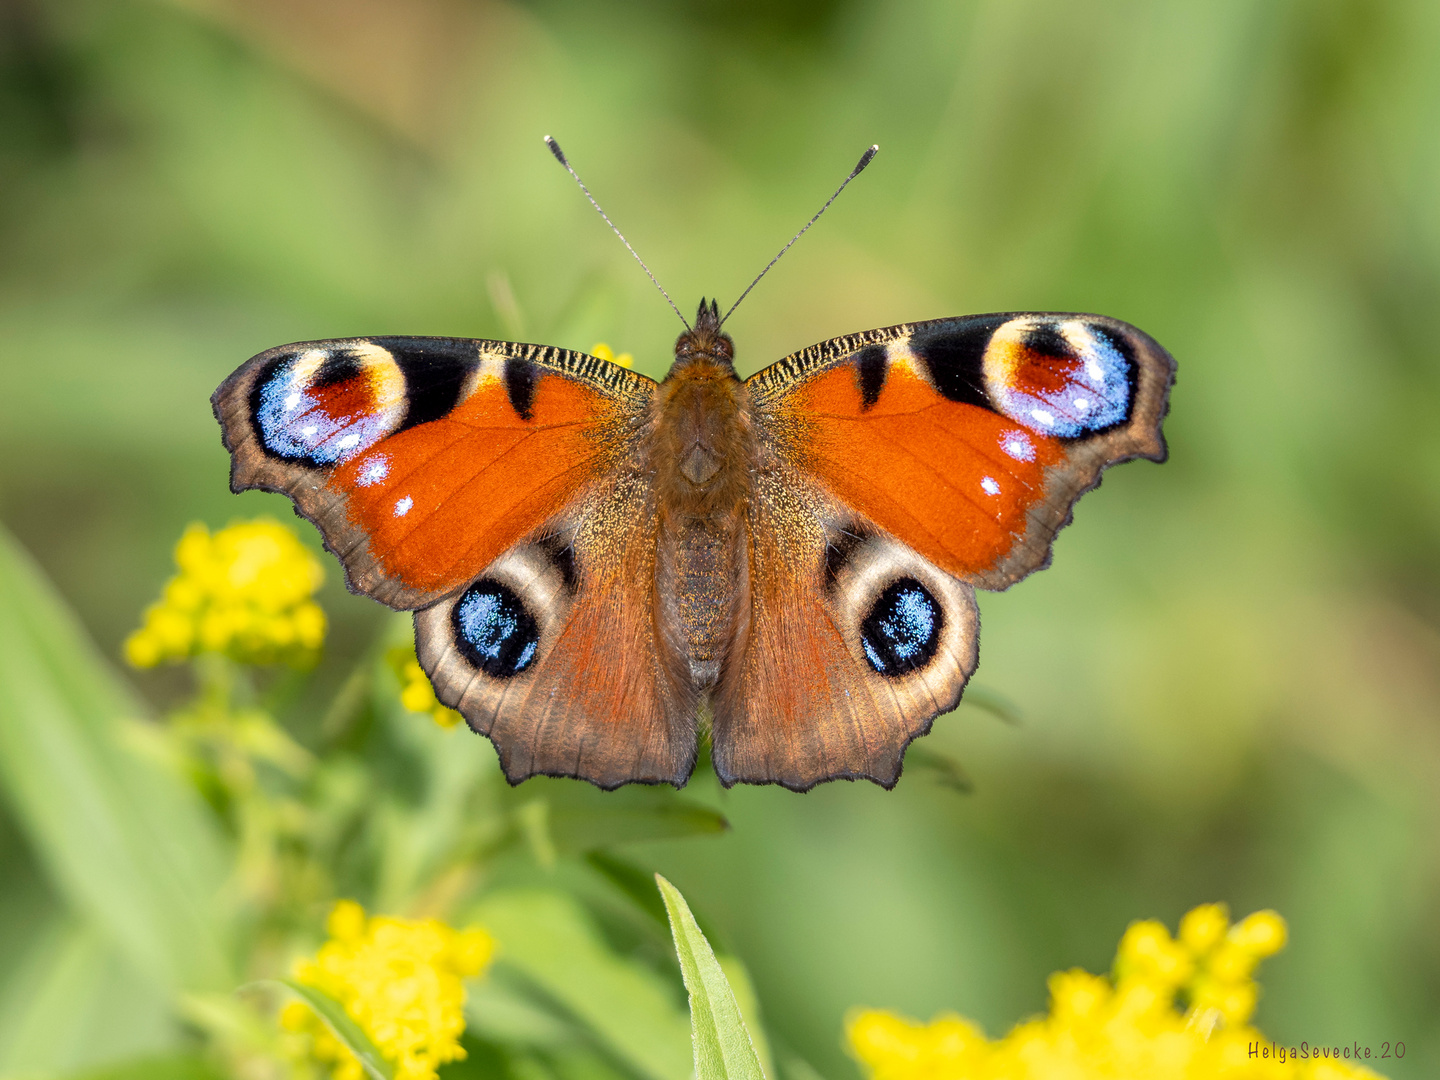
127,842
723,1047
948,772
993,702
547,939
738,975
582,819
342,1026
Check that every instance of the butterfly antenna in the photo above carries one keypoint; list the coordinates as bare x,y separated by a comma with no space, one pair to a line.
560,157
865,159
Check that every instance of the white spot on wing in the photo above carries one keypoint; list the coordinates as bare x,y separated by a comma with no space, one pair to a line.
403,506
989,485
1018,445
347,442
1041,416
292,401
374,470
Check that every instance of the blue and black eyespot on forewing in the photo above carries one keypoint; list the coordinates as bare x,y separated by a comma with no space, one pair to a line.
1066,377
902,632
323,404
494,630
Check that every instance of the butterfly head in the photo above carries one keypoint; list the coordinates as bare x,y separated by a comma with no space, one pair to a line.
706,342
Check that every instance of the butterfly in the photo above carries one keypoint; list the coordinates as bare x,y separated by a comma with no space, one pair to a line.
599,564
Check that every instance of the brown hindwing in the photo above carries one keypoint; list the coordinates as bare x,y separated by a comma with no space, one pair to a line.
803,700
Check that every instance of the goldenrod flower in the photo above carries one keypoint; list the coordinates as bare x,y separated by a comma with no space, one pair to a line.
246,591
416,693
400,981
1122,1027
604,352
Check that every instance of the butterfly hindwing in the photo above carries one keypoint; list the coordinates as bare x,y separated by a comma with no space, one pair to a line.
853,644
970,439
551,652
422,459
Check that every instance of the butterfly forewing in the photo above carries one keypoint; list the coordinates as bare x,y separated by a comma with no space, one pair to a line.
422,459
970,438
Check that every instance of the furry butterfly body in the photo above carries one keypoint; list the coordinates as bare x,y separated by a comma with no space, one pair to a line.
595,559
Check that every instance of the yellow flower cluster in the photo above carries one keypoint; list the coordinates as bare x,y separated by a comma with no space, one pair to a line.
246,591
604,352
1122,1027
416,693
400,981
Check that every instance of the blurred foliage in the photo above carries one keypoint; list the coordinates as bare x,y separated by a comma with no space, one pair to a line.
199,853
1228,684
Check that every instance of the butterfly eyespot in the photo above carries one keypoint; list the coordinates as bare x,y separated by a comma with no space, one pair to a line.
902,632
494,630
324,406
1063,378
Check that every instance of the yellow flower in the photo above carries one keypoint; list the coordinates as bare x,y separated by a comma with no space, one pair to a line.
416,693
1122,1027
245,591
604,352
400,980
318,1043
900,1049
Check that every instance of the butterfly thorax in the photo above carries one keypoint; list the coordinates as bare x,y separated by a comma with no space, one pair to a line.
702,448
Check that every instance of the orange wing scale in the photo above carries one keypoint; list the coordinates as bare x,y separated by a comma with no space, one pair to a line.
954,480
441,501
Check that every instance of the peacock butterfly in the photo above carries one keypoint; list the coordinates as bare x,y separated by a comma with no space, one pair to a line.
595,560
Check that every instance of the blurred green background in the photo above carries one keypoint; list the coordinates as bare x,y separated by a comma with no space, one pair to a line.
1228,684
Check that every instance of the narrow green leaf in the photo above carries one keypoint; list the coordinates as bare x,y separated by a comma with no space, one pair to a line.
341,1026
582,821
723,1047
993,702
548,940
947,771
127,843
748,1002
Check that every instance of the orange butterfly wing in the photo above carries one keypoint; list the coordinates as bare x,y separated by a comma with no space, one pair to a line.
933,457
480,482
971,438
422,459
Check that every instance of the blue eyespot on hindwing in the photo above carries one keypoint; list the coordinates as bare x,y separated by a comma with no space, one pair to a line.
902,632
493,629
